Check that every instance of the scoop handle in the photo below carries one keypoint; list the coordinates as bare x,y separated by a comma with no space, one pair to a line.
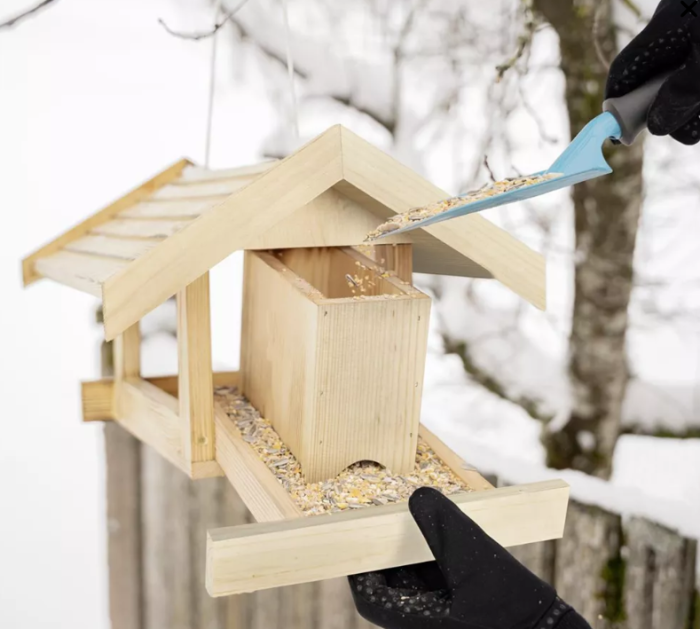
631,110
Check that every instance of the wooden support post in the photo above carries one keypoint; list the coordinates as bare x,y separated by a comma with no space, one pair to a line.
127,354
195,383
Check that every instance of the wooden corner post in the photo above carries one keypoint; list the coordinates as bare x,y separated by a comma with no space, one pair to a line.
195,381
127,362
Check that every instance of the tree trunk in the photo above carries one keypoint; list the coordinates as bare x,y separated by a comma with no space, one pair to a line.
607,213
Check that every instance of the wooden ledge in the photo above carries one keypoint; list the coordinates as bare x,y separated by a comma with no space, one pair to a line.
286,548
149,410
259,556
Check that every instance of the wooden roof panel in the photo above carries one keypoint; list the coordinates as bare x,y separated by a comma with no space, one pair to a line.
142,249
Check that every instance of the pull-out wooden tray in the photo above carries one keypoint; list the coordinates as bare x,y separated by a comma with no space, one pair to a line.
285,547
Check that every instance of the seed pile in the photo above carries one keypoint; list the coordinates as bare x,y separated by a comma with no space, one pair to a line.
428,211
359,486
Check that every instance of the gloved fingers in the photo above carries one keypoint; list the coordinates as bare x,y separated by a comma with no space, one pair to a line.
676,109
662,45
454,539
400,601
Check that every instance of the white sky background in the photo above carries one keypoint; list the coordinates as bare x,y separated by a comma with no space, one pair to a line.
95,98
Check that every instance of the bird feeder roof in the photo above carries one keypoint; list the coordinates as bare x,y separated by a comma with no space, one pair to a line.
141,250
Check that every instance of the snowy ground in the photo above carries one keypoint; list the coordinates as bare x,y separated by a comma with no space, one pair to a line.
94,97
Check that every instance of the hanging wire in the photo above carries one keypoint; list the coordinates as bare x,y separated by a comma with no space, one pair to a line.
212,87
290,70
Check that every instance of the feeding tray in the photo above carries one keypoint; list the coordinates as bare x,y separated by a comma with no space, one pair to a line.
333,353
289,547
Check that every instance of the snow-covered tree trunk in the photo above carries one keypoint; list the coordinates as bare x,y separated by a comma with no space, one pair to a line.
607,212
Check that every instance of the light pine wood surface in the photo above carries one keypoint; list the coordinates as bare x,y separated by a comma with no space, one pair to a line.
332,192
260,556
340,378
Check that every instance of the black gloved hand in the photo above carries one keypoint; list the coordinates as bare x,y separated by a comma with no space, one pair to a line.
474,582
670,42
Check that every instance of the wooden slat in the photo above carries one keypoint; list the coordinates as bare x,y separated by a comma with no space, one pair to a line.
151,415
181,259
253,481
456,463
194,368
200,173
188,208
201,190
133,228
97,398
84,272
121,248
97,395
169,384
399,188
140,193
255,557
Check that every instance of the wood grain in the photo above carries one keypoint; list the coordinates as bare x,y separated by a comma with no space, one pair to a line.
140,193
132,228
187,208
255,557
399,189
97,395
253,481
121,248
340,379
195,174
201,190
98,400
397,258
86,273
228,227
195,373
151,415
456,463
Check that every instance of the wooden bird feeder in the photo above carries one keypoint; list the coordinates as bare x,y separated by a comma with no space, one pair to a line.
333,357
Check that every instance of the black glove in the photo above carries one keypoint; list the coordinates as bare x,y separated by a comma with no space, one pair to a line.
474,582
669,43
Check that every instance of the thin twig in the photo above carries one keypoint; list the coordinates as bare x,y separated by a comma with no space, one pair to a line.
597,19
25,14
632,6
524,42
488,168
205,35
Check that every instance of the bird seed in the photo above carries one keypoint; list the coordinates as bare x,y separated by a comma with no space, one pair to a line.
359,486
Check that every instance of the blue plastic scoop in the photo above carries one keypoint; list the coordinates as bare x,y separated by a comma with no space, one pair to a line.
622,121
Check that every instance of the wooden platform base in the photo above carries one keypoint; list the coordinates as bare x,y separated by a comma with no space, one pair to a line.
284,547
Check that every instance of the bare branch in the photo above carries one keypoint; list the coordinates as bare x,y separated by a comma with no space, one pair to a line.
488,168
25,14
273,53
205,35
524,41
632,6
598,18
